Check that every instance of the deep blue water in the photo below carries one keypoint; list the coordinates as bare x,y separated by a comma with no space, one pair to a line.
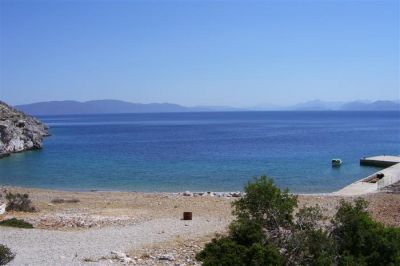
204,151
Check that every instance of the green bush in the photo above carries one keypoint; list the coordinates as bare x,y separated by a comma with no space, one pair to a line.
13,222
265,232
363,241
19,202
224,251
266,204
5,255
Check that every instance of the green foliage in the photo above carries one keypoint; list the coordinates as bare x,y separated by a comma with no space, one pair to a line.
266,233
224,251
19,202
246,232
363,241
308,218
265,203
13,222
310,247
259,254
309,244
5,255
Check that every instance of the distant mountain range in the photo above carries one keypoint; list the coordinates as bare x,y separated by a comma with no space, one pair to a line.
116,106
318,105
109,107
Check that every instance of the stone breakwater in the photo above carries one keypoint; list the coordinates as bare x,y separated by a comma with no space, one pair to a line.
18,131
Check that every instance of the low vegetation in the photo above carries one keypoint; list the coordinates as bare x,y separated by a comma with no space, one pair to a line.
60,200
14,222
5,255
267,231
19,202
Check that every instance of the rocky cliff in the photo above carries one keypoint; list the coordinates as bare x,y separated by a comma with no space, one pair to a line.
18,131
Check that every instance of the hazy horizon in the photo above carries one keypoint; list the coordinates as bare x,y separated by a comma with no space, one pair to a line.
200,53
247,106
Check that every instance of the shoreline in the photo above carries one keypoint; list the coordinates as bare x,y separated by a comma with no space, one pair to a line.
178,193
145,226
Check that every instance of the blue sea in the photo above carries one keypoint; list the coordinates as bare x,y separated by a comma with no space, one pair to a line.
215,151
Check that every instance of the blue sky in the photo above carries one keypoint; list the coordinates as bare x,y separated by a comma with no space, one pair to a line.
237,53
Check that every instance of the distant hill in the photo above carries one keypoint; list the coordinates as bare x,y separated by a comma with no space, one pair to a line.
116,106
372,106
318,105
108,107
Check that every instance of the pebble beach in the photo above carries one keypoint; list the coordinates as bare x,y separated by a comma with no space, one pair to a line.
121,228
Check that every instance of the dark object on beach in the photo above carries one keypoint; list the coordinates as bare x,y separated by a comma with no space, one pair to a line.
19,202
5,255
375,178
13,222
60,200
57,200
187,216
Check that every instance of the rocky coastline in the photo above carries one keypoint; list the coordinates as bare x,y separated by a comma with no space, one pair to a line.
19,131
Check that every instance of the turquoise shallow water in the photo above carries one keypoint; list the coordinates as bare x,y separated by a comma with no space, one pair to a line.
204,151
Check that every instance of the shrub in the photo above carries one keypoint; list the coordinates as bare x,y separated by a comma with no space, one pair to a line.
265,203
224,251
308,242
5,255
60,200
266,233
19,202
262,214
13,222
310,247
361,240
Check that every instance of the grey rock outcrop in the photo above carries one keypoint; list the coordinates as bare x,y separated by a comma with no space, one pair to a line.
18,131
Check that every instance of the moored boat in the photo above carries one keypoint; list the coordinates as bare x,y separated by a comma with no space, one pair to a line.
336,162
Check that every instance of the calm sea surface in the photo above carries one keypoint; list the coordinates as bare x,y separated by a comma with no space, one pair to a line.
204,151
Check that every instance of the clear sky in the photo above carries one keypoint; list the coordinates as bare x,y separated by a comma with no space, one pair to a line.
237,53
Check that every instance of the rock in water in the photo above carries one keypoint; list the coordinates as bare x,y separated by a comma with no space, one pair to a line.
18,131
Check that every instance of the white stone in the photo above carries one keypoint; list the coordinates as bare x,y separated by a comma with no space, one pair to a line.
168,257
3,208
119,255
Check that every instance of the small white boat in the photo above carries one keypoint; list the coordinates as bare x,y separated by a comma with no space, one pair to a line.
336,162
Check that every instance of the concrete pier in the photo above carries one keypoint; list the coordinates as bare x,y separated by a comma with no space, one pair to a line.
376,181
380,161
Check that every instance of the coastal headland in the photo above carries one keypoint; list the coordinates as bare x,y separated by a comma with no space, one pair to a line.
18,131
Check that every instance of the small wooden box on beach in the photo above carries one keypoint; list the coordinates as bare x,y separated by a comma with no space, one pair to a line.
187,216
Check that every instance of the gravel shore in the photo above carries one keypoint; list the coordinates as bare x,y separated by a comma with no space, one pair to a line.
49,247
117,228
